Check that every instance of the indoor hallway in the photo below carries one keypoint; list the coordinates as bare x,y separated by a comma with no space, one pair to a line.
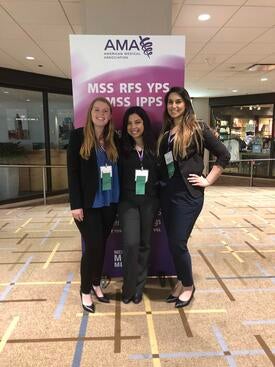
230,322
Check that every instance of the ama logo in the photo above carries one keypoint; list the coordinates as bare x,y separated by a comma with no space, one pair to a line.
143,44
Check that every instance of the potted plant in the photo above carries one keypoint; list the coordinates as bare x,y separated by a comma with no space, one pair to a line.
10,153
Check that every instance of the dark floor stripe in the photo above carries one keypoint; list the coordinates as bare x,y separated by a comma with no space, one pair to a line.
22,239
234,271
266,349
245,277
220,204
254,249
37,238
25,300
214,215
117,331
4,225
253,225
185,323
216,275
17,262
252,207
54,340
42,262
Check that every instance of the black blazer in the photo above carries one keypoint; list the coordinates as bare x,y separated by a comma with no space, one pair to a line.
193,162
83,175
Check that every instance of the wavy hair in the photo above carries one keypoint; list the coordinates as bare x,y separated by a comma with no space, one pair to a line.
148,137
90,141
189,128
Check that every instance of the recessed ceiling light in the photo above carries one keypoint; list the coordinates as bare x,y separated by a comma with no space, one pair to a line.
204,17
264,79
6,92
28,100
261,67
234,90
29,57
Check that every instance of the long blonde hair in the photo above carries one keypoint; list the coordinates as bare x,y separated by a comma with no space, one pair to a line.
90,141
188,130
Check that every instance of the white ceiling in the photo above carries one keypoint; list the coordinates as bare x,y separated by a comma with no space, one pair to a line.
240,33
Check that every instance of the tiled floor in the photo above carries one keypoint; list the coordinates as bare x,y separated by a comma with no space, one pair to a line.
231,321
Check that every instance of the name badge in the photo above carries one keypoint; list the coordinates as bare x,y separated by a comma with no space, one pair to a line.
106,177
141,177
169,160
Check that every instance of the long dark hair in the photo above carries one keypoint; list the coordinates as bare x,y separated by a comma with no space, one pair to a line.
149,140
189,127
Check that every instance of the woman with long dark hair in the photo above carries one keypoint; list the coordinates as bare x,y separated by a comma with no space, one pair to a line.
138,203
180,150
94,193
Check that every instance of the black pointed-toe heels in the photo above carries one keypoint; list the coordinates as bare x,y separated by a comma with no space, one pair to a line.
180,303
89,308
103,299
171,298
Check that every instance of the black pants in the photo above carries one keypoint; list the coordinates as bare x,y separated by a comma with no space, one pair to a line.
180,212
136,220
95,229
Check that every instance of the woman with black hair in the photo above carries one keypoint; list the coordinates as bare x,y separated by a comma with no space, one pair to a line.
139,202
180,150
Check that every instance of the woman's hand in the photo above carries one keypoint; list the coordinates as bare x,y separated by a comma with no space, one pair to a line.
196,180
78,214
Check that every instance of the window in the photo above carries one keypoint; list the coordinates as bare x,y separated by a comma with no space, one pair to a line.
61,124
22,141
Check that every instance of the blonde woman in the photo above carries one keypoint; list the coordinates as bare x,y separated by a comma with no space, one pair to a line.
94,193
180,151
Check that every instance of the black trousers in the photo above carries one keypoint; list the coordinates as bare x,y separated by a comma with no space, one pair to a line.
136,219
95,229
180,212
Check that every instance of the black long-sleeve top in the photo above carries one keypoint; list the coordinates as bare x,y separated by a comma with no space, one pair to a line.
193,162
129,162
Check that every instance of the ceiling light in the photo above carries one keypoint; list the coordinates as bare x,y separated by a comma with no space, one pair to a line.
28,100
204,17
264,79
6,92
29,57
234,90
261,67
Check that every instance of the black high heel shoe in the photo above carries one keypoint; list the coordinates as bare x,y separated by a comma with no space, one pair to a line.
103,299
88,308
180,303
171,298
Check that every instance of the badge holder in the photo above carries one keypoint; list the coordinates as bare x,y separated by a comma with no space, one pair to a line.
169,160
106,178
141,177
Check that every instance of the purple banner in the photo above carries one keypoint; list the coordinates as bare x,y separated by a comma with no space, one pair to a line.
128,70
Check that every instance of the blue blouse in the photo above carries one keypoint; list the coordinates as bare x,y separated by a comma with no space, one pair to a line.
105,198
